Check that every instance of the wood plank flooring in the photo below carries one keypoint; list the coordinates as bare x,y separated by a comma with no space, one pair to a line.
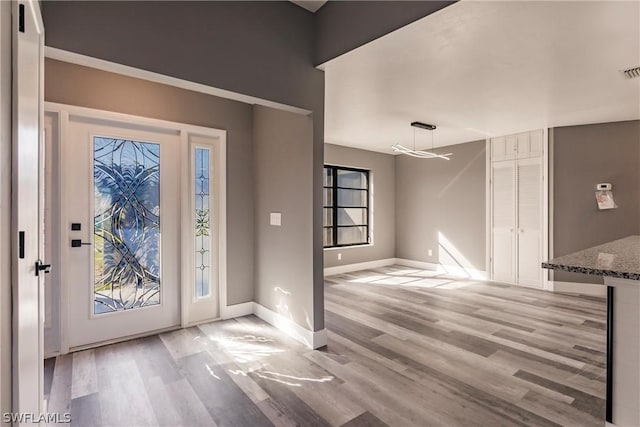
407,347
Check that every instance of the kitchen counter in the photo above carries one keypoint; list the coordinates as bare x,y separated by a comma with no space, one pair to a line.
620,258
619,263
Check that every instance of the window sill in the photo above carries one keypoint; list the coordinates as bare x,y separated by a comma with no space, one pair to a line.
349,247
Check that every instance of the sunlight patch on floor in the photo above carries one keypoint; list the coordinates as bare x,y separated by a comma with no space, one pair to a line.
367,279
405,272
395,280
245,351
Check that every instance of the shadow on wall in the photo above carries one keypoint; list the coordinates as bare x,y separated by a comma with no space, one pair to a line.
459,175
441,210
453,262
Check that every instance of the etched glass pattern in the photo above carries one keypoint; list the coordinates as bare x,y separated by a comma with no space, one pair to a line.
202,222
126,224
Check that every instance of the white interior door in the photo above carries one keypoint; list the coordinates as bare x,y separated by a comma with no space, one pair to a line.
529,178
27,202
121,187
503,221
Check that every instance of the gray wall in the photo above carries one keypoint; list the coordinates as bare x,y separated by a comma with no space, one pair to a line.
342,26
382,176
257,48
5,207
284,254
438,196
72,84
582,157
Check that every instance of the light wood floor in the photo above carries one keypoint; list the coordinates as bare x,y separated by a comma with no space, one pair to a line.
406,348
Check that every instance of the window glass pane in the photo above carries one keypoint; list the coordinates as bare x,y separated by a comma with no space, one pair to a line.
126,191
202,221
327,198
328,217
327,236
352,179
348,198
352,216
352,235
328,177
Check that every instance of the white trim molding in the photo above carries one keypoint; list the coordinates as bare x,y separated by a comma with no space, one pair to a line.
236,310
453,270
347,268
125,70
312,340
592,289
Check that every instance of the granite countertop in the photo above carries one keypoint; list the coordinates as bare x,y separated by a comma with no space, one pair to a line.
620,258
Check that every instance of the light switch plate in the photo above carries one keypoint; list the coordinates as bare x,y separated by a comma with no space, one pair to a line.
276,218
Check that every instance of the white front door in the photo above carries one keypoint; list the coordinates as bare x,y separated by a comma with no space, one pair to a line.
27,212
121,192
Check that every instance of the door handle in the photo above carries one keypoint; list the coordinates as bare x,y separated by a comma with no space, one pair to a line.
76,243
42,267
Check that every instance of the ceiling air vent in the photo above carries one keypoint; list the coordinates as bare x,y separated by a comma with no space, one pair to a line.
632,73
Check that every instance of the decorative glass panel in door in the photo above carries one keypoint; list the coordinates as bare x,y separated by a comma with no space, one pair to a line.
202,221
126,224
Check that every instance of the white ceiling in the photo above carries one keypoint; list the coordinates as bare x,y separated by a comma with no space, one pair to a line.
477,69
310,5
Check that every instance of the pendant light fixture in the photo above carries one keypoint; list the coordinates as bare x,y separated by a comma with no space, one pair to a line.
421,154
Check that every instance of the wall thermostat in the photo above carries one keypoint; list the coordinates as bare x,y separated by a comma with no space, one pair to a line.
603,186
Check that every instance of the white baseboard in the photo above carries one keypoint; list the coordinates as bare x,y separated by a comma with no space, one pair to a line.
311,339
453,270
347,268
578,288
237,310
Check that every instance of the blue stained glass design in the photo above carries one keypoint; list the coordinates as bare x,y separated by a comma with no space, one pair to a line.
202,222
126,224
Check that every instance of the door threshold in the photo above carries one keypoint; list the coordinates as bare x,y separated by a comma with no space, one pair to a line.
202,322
122,339
135,336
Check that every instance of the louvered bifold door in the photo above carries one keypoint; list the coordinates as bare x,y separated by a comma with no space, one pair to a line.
529,201
504,221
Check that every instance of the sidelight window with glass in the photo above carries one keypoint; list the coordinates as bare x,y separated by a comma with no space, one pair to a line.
346,206
202,221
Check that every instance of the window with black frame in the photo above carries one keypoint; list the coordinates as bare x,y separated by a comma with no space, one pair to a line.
346,206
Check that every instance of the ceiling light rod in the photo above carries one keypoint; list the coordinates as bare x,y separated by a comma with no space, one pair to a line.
421,154
423,125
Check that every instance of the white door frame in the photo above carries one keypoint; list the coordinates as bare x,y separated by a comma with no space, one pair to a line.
546,201
27,208
5,203
63,112
546,284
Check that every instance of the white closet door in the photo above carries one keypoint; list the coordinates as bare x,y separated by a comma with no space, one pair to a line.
529,178
504,221
503,148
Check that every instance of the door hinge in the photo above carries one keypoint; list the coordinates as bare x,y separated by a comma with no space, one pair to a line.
21,18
